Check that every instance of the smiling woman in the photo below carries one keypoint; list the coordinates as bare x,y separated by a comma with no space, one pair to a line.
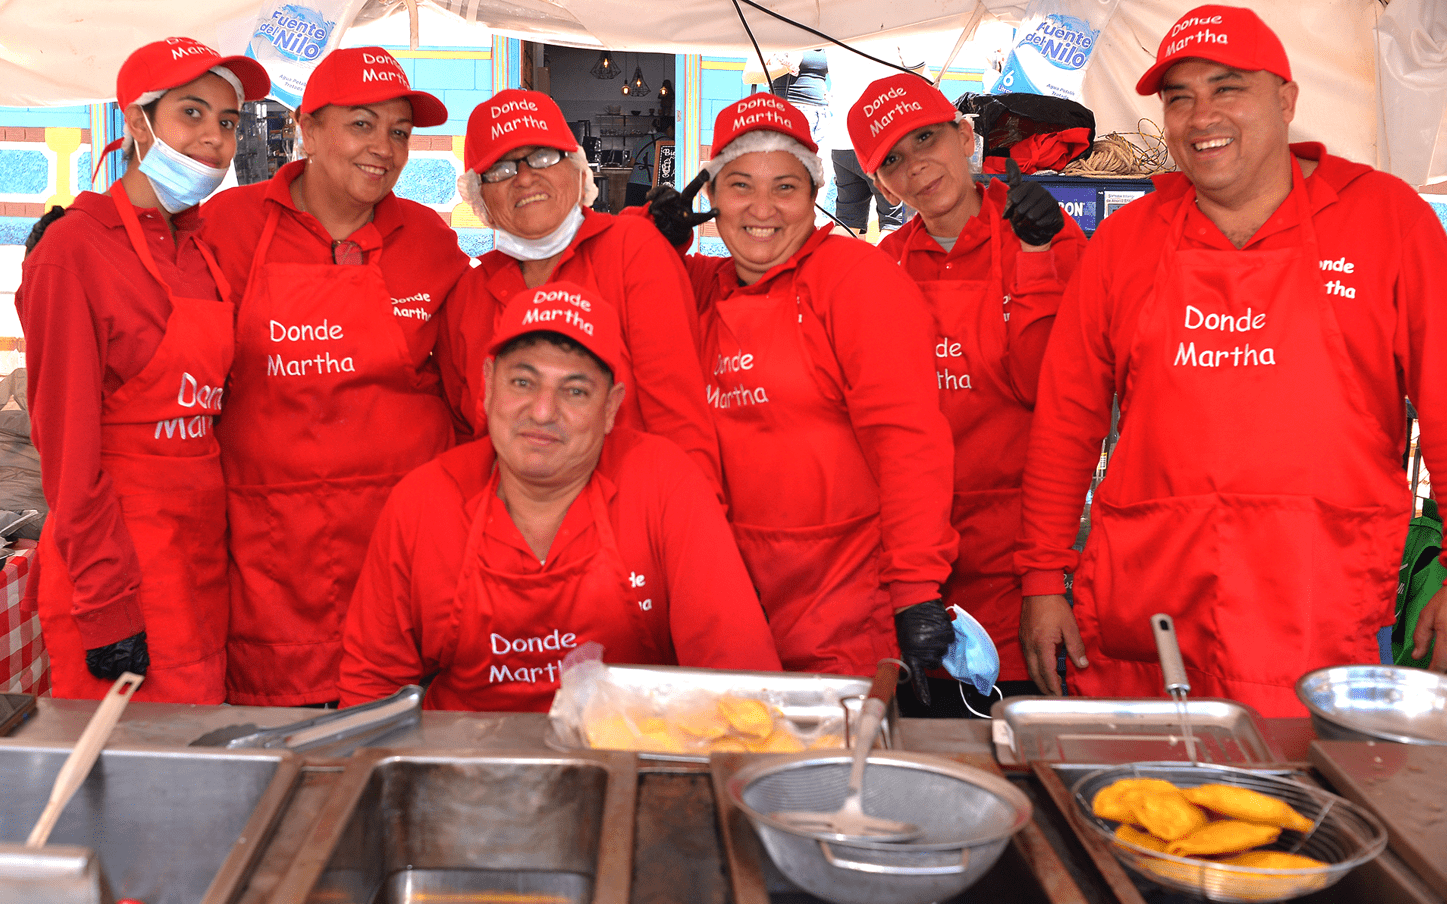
334,394
836,458
129,339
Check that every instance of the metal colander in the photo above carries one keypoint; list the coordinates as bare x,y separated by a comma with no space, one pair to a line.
1344,835
967,817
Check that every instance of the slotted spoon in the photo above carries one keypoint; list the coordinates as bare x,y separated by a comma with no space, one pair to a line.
850,822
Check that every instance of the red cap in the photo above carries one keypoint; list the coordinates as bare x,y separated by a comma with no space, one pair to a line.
889,109
355,76
510,120
566,308
761,112
163,65
1229,35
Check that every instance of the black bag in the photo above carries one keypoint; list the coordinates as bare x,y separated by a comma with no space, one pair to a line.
1004,120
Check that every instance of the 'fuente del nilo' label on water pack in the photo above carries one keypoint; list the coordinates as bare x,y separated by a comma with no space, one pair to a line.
288,40
1050,54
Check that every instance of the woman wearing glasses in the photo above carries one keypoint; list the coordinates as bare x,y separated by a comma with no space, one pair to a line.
527,178
333,396
129,332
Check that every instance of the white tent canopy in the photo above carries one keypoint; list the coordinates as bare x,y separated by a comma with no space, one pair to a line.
1373,76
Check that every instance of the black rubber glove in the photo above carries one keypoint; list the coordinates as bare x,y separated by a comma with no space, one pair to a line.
925,634
1033,212
40,226
109,662
673,213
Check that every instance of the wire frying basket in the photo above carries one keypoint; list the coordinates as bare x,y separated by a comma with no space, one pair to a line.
1343,835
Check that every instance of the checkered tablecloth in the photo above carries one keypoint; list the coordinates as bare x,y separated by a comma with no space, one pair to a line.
24,664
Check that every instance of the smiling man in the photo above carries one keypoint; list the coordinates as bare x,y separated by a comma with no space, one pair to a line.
493,562
1260,316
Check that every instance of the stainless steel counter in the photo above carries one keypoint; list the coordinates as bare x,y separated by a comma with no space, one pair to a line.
683,842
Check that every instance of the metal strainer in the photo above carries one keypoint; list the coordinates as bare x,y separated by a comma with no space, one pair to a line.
966,816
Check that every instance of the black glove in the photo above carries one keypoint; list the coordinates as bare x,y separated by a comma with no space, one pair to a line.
673,213
40,226
1032,211
109,662
925,634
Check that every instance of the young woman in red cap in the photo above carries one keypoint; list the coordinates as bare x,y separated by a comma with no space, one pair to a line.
129,338
993,263
333,394
527,178
836,458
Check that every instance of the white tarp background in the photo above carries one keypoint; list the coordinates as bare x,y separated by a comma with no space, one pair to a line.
1373,76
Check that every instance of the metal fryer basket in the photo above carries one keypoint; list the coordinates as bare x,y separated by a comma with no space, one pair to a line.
1344,836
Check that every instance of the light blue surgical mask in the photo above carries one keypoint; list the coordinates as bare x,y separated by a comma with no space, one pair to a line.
540,249
972,658
179,181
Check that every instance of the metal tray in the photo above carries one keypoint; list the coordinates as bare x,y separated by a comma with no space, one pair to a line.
806,699
1107,731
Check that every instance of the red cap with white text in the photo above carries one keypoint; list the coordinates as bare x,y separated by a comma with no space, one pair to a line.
510,120
568,309
171,62
889,109
761,112
357,76
1229,35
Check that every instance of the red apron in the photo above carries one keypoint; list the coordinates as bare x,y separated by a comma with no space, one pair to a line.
804,503
326,414
158,449
511,631
1212,508
990,427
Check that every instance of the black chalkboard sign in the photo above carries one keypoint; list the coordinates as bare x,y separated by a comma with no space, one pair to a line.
667,160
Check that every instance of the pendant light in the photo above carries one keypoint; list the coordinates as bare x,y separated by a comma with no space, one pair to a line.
636,86
605,67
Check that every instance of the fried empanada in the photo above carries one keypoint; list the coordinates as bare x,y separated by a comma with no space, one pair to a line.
1109,804
1273,860
1164,812
1127,832
1247,805
1224,836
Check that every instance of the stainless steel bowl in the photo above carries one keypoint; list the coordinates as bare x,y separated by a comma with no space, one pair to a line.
1376,703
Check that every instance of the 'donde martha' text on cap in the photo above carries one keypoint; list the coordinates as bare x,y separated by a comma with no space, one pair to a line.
1230,35
513,119
891,108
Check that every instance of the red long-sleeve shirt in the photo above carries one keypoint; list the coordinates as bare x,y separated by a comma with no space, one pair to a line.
1034,281
421,260
93,318
1390,306
880,333
667,525
628,263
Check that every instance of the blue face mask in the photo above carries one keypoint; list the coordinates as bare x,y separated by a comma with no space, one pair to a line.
179,181
972,658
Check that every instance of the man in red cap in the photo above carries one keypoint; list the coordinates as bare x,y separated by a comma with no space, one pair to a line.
1260,315
334,394
492,562
527,178
993,263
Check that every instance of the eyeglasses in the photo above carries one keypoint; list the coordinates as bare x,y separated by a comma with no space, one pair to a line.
346,251
504,170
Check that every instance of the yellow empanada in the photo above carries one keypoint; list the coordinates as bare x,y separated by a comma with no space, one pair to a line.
1248,806
1224,836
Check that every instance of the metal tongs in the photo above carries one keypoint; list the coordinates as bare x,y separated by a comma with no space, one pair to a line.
1178,686
358,724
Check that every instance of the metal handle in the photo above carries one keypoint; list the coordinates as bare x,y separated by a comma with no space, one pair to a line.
1174,670
387,713
951,869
